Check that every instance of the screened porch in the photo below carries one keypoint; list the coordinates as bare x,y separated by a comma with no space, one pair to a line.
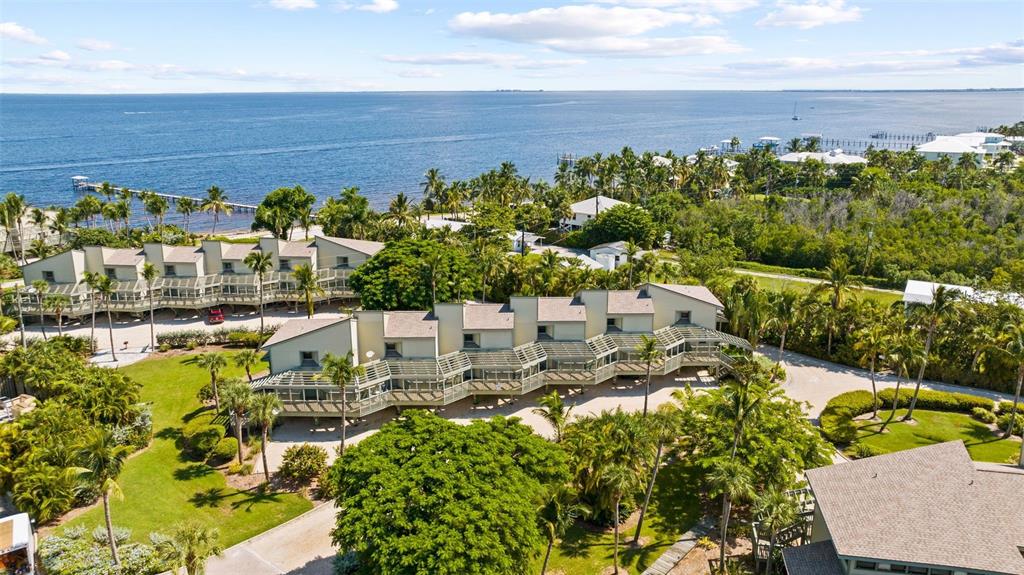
579,362
508,371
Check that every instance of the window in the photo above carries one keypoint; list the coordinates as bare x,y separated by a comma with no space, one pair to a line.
49,277
542,332
228,267
867,565
895,568
941,572
341,262
683,317
469,340
286,266
169,271
612,324
392,350
110,273
311,395
918,570
308,359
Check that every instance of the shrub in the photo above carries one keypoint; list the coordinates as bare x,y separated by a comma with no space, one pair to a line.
205,393
303,463
862,450
201,437
246,469
9,268
983,415
326,489
138,432
226,448
346,563
165,347
1004,423
837,417
246,339
193,338
121,534
936,400
72,553
1007,407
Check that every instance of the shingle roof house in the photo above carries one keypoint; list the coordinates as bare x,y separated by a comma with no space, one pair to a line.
929,510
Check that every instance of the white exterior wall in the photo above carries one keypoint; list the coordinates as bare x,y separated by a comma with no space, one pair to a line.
567,330
189,270
67,268
636,322
667,303
370,334
338,339
327,253
414,347
212,257
495,339
596,304
155,255
449,327
525,323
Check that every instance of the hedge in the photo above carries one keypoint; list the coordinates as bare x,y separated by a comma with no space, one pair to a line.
1007,407
983,415
936,400
221,336
1004,423
201,437
226,449
836,418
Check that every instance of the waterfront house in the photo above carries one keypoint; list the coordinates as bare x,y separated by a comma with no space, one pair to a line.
437,357
588,209
922,292
926,511
831,158
984,145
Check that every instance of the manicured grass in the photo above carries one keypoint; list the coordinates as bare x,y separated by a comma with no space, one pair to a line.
936,427
162,486
675,507
779,284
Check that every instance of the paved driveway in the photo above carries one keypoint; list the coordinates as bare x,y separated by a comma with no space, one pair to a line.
300,546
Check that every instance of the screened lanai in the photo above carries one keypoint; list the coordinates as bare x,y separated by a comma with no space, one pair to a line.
579,362
507,371
77,300
429,381
302,393
189,292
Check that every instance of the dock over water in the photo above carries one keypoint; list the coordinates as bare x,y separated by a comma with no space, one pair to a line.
81,184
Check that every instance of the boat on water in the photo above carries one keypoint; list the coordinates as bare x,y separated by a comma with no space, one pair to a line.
795,117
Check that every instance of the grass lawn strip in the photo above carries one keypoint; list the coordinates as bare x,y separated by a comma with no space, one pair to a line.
936,427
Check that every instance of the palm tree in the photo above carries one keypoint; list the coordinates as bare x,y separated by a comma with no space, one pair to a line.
783,311
260,263
664,425
1012,348
868,344
560,511
57,302
41,287
554,411
263,411
433,189
342,372
91,279
157,207
191,544
906,351
247,359
216,202
631,251
839,282
745,394
105,287
944,305
620,481
732,480
776,510
150,273
306,282
14,213
237,396
400,212
185,206
648,352
213,362
102,460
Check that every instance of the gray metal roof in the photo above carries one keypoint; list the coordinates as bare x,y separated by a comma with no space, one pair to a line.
298,327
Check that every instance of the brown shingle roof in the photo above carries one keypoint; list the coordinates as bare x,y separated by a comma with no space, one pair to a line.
235,251
699,293
487,316
409,324
298,327
621,302
122,256
295,249
560,309
928,505
182,254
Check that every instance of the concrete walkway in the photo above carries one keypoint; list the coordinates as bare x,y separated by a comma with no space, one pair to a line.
662,565
296,547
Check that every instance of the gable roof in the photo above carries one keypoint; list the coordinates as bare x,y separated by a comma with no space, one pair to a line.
182,254
233,251
487,316
287,249
409,324
294,328
592,205
699,293
624,302
122,256
362,246
560,309
929,506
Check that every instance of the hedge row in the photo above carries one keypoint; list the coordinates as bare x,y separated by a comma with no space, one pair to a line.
837,417
240,336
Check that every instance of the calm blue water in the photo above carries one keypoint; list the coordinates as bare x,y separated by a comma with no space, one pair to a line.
384,142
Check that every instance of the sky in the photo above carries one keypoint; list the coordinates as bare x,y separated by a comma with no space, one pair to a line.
151,46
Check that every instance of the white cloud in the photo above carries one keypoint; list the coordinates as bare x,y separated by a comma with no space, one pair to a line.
810,14
641,47
94,45
570,22
420,73
56,55
703,6
15,31
379,6
293,4
482,59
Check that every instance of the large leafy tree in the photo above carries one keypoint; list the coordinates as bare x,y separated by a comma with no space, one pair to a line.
412,274
280,209
425,495
621,223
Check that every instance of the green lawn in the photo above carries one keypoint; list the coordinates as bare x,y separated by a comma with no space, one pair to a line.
675,507
779,284
936,427
161,486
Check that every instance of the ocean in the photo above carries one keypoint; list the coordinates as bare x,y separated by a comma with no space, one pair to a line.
249,144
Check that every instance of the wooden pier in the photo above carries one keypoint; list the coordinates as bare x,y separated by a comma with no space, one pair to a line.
81,184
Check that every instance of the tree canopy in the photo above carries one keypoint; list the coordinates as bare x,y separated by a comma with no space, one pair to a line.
413,274
281,209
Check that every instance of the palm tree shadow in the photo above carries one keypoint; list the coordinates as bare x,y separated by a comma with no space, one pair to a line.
209,498
254,496
318,566
578,541
193,471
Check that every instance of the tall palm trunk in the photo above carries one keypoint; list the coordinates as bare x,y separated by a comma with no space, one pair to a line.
110,529
21,318
92,327
547,555
152,322
213,388
726,510
60,322
920,372
238,435
42,322
874,391
647,387
895,404
782,346
344,420
618,500
261,304
647,495
263,453
771,554
110,328
1016,400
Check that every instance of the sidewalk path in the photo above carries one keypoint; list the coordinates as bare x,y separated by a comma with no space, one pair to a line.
300,546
